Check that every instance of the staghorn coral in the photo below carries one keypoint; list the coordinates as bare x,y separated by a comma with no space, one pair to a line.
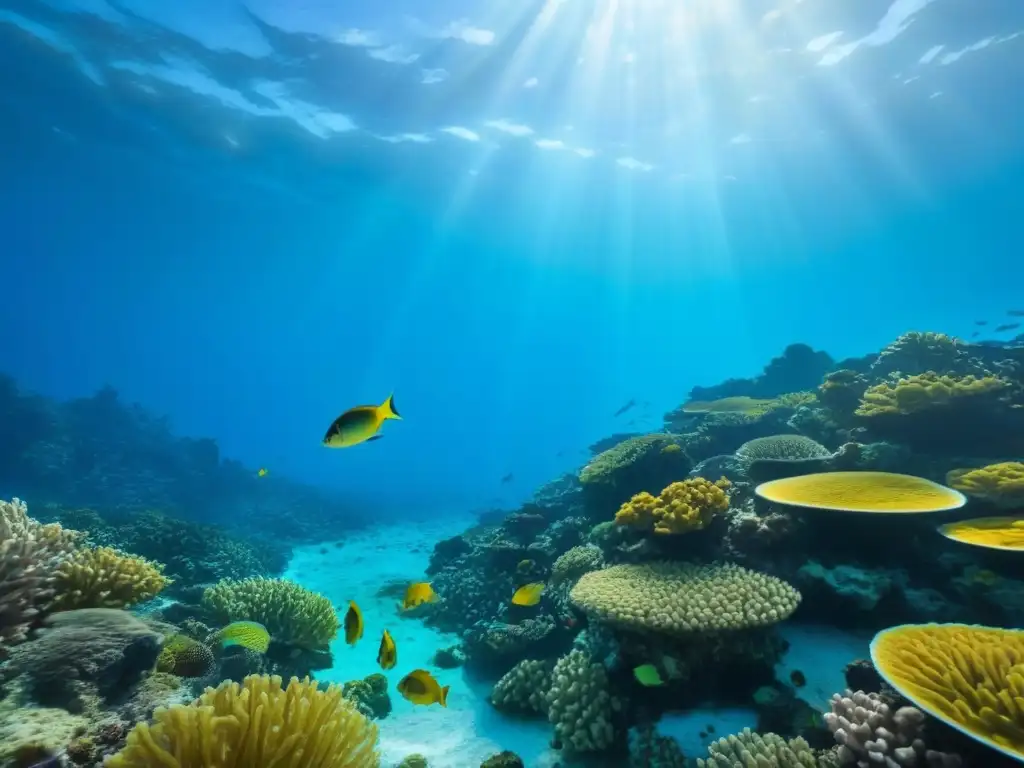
185,657
674,598
688,505
921,392
1000,484
524,688
580,705
572,564
290,612
101,577
970,677
30,554
259,724
763,750
867,492
870,734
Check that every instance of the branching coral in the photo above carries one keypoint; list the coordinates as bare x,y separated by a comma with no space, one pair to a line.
291,613
763,750
675,598
580,705
101,577
524,688
1000,484
259,724
968,676
870,734
681,507
30,554
924,391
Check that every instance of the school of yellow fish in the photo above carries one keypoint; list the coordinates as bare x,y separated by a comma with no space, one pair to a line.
362,424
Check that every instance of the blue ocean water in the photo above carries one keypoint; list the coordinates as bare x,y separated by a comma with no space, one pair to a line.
516,217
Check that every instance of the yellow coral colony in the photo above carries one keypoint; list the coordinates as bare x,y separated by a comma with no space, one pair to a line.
1000,484
101,577
878,492
259,724
926,390
685,506
968,676
989,532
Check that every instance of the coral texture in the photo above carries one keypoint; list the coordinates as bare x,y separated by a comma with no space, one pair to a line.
101,577
572,564
862,492
1001,484
927,390
688,505
524,688
763,750
673,598
291,613
579,703
971,677
260,724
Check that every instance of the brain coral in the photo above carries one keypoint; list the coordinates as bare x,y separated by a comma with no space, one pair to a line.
291,613
781,448
674,598
971,677
259,724
101,577
684,506
921,392
1001,484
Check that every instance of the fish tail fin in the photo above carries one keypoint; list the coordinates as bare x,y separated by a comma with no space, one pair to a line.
388,410
444,696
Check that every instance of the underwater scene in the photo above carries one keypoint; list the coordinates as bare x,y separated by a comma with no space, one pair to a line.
538,384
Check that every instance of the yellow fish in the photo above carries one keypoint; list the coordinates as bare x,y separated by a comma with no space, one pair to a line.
360,424
353,623
261,472
420,687
528,594
647,674
248,634
387,656
417,594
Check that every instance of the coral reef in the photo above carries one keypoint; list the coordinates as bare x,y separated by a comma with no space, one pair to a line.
684,506
524,688
291,613
258,724
678,598
612,477
1000,484
101,577
580,705
763,750
370,695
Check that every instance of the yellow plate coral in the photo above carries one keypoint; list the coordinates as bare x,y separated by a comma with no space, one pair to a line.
990,532
876,492
970,677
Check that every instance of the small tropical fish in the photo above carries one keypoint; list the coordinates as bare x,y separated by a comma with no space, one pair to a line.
528,594
1015,312
360,424
247,634
420,687
796,677
624,408
417,594
647,675
981,322
508,478
974,335
262,472
711,728
353,623
387,656
1007,327
703,735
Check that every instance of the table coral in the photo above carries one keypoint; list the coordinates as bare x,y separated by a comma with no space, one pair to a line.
991,532
678,598
1001,484
688,505
258,724
970,677
924,391
102,577
864,492
290,612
